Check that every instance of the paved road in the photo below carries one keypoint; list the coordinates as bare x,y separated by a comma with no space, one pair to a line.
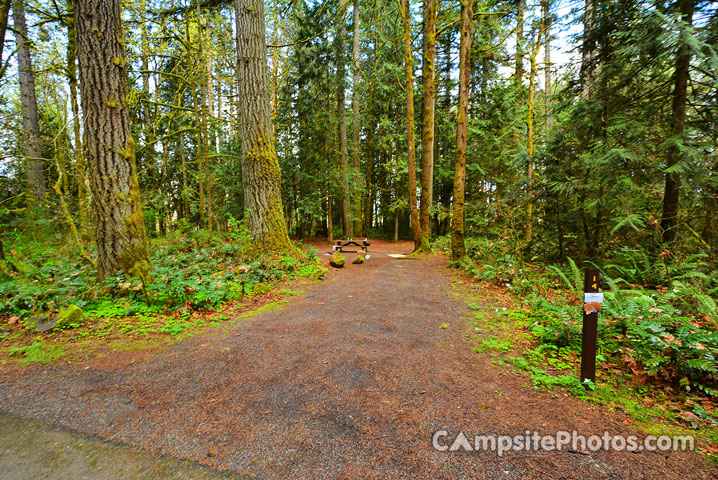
33,450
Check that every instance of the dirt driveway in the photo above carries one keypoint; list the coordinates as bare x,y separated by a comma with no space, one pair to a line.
349,381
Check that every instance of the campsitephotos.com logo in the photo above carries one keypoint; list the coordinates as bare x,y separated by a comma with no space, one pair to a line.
443,441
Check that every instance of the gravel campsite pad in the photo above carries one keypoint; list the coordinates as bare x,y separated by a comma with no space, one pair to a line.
350,381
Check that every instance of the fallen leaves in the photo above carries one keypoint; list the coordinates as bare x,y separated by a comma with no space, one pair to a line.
672,340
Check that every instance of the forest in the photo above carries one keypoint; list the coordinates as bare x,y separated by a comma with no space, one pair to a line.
164,158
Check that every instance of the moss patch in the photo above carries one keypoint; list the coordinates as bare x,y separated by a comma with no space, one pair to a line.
70,317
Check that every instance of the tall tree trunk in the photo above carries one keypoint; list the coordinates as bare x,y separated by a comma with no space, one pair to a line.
589,49
546,7
427,127
220,115
330,214
83,195
144,62
201,121
519,69
261,177
669,220
4,15
109,148
211,107
207,109
200,158
530,136
356,201
458,249
275,65
404,6
347,225
371,143
184,195
31,131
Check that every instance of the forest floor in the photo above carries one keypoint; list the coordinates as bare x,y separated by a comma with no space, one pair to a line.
349,380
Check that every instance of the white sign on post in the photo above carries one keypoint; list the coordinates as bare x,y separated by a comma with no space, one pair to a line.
593,298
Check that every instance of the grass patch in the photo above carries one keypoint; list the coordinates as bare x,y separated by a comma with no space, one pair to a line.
269,307
511,333
39,353
198,284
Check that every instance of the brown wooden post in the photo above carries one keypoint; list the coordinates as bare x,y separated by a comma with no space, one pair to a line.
590,327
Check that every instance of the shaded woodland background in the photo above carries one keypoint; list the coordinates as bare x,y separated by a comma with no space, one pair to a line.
587,179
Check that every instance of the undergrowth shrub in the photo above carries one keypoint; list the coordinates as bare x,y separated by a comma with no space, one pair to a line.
659,319
198,272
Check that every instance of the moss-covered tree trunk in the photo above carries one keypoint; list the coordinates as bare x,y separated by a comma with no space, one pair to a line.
347,224
458,248
109,148
530,127
261,176
356,151
83,194
405,8
428,127
31,132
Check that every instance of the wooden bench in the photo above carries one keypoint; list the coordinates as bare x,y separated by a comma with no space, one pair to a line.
342,244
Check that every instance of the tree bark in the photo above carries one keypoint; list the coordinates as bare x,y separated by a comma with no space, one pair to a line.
83,194
546,6
519,69
530,136
356,151
330,214
206,107
427,127
458,248
671,195
345,201
588,54
31,132
411,153
4,15
261,176
109,148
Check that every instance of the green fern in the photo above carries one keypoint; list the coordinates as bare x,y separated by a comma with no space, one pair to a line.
575,283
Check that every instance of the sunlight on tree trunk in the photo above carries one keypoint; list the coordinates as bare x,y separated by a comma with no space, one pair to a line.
261,176
36,190
109,148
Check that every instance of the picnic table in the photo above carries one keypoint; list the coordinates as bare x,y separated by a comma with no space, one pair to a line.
342,244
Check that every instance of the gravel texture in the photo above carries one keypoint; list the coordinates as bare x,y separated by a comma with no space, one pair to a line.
349,381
